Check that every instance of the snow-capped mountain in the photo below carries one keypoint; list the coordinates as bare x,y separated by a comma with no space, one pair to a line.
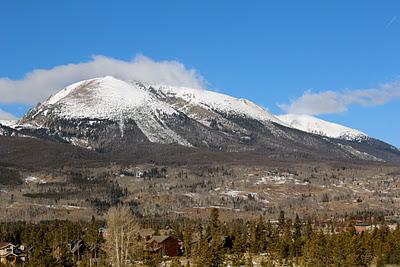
314,125
106,114
143,112
110,99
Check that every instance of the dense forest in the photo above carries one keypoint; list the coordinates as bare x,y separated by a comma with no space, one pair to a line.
210,242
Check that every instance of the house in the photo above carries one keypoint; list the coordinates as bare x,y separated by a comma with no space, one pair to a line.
77,249
132,172
138,172
362,227
164,245
11,254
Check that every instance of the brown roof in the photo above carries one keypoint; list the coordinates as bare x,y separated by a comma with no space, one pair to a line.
158,238
9,253
6,244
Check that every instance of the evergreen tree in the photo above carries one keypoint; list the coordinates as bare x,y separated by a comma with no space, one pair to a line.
93,238
187,240
217,244
281,221
239,248
297,238
316,252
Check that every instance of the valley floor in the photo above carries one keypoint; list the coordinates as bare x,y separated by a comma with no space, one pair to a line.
323,191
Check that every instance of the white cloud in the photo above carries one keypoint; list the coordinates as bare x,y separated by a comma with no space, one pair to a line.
330,102
39,84
6,116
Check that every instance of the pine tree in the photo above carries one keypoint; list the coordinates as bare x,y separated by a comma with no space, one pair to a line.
202,253
281,221
187,240
93,238
43,257
217,244
210,250
309,229
214,223
315,251
297,238
239,248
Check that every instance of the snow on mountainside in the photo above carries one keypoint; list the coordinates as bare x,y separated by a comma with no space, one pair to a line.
106,114
108,98
8,122
216,101
112,98
314,125
115,100
104,98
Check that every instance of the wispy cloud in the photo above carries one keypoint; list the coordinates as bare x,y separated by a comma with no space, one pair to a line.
39,84
331,102
391,21
6,116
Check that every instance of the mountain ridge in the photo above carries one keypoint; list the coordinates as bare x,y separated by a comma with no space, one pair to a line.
315,125
106,114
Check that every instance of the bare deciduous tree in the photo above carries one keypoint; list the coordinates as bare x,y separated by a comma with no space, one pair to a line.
121,241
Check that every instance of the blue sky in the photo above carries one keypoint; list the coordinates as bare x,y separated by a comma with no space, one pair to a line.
271,52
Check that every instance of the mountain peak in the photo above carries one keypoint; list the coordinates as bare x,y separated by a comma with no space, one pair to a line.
104,97
157,110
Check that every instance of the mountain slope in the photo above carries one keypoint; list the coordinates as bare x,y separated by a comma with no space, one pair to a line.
106,114
136,112
211,101
354,141
109,99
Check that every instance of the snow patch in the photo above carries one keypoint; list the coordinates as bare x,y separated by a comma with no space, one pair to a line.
215,101
314,125
8,123
35,180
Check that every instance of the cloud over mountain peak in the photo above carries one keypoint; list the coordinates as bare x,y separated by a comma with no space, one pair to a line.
37,85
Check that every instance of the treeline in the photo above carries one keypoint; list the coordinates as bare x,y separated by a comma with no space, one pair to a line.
209,242
288,243
93,190
9,176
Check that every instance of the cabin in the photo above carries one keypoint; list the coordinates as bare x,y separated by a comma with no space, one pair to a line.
362,227
11,254
163,245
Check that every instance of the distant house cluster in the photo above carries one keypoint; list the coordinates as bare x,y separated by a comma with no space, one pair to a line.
15,255
133,172
146,172
11,254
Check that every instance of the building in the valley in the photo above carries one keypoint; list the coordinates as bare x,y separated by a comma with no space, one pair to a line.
163,245
11,254
362,227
